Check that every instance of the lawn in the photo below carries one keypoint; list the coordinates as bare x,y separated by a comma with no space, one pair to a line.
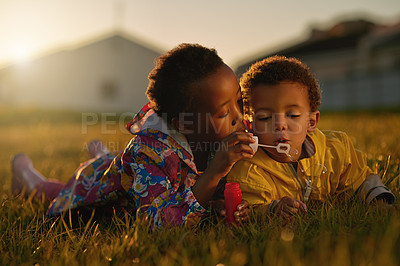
331,233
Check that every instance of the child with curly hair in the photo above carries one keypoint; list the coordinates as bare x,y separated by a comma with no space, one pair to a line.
185,140
296,161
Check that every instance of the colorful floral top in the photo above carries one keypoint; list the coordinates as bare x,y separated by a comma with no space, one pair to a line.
155,172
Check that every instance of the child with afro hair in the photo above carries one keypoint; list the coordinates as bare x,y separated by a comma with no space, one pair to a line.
298,162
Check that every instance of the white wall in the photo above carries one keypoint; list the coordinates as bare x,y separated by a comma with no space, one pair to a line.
74,79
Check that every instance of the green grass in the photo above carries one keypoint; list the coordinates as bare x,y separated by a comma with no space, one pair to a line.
332,233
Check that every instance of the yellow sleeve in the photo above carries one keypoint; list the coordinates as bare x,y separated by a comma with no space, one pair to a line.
357,175
254,186
355,168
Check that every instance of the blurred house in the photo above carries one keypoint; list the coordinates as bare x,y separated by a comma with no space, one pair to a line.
356,62
106,74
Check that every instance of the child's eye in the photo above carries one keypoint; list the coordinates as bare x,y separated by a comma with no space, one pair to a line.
293,115
224,115
264,118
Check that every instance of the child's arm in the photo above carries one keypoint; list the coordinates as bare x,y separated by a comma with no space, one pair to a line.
357,175
373,189
233,148
153,183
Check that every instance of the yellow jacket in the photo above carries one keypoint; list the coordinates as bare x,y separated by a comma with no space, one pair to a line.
335,167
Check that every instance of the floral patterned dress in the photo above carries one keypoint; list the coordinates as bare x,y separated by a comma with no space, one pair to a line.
154,174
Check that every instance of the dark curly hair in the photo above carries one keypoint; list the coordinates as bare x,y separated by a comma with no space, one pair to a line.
170,88
275,69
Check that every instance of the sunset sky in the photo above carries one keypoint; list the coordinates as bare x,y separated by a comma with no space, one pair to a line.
236,28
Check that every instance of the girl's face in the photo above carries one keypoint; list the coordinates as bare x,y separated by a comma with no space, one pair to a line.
218,110
282,115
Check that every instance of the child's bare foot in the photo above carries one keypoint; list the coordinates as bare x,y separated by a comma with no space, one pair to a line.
25,178
96,148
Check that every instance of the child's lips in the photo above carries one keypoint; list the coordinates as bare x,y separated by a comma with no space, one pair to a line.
282,140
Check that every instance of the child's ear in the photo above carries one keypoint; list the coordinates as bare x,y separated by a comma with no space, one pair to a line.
313,121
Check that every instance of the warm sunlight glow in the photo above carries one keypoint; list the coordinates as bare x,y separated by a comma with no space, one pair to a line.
21,54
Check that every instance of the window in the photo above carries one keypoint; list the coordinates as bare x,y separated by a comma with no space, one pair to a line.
109,90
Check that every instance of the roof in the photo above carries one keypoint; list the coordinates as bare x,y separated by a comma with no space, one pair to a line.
97,39
342,36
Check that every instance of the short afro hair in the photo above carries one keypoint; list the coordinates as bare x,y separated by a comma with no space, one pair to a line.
275,69
170,88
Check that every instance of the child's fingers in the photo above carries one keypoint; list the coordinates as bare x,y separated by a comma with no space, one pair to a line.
295,203
241,151
290,210
303,206
242,216
243,211
239,137
285,215
241,147
244,204
291,206
237,146
298,204
237,153
219,207
288,202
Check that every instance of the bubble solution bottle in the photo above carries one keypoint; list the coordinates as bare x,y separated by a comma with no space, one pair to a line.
233,196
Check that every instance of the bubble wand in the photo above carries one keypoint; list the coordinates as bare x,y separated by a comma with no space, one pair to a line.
281,147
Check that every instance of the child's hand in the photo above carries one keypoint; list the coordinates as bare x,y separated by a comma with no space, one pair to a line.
287,207
218,206
242,213
232,149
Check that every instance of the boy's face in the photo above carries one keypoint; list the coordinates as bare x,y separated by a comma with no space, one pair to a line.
282,115
217,112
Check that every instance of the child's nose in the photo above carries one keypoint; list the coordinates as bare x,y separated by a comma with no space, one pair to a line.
279,123
238,118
